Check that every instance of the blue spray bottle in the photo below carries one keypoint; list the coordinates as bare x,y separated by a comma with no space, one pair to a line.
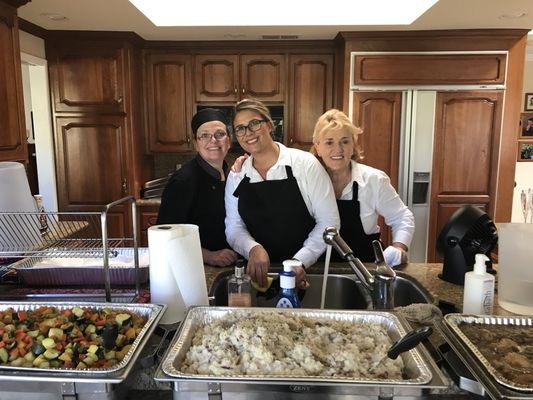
288,298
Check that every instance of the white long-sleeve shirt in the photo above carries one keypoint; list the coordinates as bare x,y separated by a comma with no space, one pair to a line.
315,187
377,197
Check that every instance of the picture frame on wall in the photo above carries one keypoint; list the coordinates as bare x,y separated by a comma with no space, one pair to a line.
526,125
525,151
528,102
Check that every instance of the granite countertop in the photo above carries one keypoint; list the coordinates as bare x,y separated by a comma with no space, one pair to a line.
155,201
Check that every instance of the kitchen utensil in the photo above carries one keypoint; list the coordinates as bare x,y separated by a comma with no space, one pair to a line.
406,343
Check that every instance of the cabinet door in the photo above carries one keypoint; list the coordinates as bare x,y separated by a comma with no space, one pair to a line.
148,217
12,127
217,77
310,95
91,167
91,160
465,156
378,114
263,77
168,102
87,79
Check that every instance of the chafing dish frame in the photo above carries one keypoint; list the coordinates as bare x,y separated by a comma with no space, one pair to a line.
186,332
114,375
452,322
314,390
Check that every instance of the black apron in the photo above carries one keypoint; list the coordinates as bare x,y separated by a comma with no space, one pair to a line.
275,215
352,229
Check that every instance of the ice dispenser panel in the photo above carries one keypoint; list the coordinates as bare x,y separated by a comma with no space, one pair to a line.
420,187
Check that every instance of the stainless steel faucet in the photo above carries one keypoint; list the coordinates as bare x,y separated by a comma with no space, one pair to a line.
379,286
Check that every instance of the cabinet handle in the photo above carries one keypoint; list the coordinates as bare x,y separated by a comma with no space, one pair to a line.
119,100
243,90
235,89
291,141
188,139
124,185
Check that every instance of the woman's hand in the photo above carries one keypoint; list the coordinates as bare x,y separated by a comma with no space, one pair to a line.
237,165
258,264
219,258
301,278
395,254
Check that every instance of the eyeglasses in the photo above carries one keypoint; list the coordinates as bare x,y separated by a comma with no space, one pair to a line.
206,137
253,126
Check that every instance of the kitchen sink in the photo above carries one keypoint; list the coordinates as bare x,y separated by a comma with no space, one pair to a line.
343,292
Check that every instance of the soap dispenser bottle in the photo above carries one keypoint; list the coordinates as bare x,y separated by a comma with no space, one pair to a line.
239,287
479,288
288,298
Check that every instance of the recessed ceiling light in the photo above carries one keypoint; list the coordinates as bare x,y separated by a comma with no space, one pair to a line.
282,12
512,15
54,17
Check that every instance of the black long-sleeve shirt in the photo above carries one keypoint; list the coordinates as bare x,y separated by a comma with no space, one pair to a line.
195,195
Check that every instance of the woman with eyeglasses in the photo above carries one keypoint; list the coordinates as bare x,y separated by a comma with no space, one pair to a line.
195,193
280,202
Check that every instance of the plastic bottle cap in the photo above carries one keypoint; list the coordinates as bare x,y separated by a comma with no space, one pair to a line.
239,271
479,266
289,265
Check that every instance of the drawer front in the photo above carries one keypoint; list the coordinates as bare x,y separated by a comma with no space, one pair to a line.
429,69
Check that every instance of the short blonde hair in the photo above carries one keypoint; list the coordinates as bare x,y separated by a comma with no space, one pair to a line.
255,106
336,120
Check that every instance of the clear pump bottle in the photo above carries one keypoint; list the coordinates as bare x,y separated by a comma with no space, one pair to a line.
239,287
479,288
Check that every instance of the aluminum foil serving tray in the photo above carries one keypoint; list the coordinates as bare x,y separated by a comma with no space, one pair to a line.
416,370
453,321
32,274
152,313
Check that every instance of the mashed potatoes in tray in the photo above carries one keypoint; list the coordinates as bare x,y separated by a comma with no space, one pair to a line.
275,344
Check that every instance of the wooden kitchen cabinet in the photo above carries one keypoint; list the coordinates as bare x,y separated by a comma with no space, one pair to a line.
91,161
310,95
168,102
147,217
92,166
87,79
465,156
230,77
100,149
378,114
12,126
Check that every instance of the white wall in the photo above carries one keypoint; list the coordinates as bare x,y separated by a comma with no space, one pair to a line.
524,170
32,45
27,100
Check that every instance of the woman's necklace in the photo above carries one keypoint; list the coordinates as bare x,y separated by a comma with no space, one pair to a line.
340,180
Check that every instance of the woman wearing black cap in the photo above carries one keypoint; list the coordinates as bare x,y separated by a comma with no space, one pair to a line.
195,193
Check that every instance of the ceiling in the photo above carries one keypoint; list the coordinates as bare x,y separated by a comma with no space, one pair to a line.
121,15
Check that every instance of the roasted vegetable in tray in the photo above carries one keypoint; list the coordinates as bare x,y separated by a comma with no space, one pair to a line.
76,337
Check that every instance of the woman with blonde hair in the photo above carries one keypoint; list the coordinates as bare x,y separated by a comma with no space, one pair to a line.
281,200
363,193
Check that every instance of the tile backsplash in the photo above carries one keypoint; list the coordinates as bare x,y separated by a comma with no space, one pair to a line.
165,163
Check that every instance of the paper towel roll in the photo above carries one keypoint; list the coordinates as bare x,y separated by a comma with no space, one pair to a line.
15,193
177,276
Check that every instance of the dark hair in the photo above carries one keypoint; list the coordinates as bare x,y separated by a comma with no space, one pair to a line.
255,106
